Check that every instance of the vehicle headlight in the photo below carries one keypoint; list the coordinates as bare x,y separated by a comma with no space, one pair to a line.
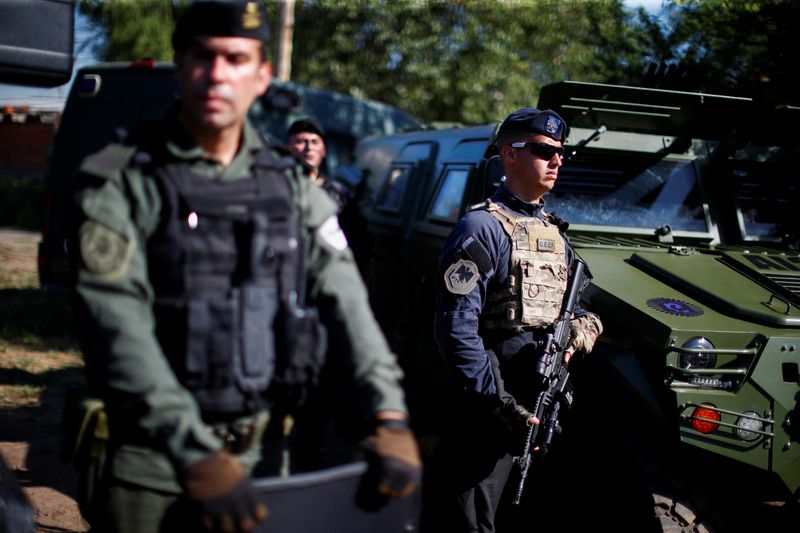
746,425
698,359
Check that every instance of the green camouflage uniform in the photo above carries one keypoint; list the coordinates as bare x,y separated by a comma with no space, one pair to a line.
156,427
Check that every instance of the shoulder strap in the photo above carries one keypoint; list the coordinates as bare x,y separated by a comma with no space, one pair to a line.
270,157
559,222
507,219
270,164
105,163
484,205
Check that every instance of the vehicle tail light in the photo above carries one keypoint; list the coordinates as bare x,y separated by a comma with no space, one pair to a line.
143,63
704,419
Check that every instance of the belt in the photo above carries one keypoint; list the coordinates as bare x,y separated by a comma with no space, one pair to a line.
239,436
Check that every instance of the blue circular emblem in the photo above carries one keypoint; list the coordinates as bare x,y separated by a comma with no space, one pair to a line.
674,307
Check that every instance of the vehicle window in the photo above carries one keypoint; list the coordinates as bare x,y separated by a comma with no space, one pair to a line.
415,152
629,191
391,194
767,195
447,203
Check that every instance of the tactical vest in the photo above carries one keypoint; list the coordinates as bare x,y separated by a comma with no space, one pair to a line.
226,265
537,274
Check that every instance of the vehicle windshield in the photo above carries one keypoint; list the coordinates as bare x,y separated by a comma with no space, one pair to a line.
767,192
632,191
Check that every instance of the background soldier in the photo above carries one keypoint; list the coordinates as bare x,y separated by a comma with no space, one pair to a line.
307,144
497,295
205,266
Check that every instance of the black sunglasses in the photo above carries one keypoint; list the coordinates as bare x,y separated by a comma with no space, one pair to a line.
543,150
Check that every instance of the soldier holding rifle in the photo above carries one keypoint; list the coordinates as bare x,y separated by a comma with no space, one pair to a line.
504,272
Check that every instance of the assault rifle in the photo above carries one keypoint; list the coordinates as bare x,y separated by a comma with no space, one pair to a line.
555,375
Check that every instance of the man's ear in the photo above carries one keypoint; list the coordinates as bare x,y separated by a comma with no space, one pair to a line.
507,154
264,76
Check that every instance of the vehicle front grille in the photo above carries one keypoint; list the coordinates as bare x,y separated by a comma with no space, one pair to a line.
788,283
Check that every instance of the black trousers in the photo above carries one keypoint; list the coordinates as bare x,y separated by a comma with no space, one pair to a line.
467,475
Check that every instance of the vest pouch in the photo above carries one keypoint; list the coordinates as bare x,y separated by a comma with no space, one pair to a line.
259,307
301,353
211,327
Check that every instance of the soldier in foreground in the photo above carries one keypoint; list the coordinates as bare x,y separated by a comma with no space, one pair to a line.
209,273
504,271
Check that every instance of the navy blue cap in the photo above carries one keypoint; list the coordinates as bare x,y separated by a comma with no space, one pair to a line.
308,125
219,18
531,120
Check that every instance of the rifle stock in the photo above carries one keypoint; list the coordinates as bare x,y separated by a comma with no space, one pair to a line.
554,371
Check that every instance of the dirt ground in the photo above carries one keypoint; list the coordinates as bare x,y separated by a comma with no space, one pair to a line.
38,360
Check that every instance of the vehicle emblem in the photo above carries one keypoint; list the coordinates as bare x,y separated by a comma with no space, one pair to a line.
674,307
461,277
552,125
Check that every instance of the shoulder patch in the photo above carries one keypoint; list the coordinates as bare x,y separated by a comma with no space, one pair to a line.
461,277
103,250
331,233
478,254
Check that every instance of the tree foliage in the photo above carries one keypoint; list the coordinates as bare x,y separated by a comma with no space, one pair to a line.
132,29
470,61
739,47
474,61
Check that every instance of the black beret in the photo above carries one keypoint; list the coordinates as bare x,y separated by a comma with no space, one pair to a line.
219,18
530,120
306,124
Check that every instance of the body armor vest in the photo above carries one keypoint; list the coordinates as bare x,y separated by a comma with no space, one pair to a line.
226,265
537,274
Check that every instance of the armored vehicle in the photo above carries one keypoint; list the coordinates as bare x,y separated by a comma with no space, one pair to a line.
108,100
686,416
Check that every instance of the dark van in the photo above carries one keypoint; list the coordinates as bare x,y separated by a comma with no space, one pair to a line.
107,99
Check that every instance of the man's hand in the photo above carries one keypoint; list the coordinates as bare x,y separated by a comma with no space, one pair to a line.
585,330
516,417
395,459
221,486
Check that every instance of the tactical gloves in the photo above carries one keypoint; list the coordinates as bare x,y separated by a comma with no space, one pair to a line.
395,461
515,417
585,330
221,486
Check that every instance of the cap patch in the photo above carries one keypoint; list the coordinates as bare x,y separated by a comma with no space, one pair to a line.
251,19
552,125
461,277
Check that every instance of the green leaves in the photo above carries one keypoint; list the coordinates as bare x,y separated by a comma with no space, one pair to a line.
462,61
475,61
133,30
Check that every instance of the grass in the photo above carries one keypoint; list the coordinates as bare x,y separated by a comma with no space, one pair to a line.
38,345
21,203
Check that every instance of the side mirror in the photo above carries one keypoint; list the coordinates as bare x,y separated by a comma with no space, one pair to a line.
36,42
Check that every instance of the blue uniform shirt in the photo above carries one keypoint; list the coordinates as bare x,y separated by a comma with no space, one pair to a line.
456,319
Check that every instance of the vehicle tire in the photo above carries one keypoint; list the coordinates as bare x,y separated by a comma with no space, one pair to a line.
677,512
